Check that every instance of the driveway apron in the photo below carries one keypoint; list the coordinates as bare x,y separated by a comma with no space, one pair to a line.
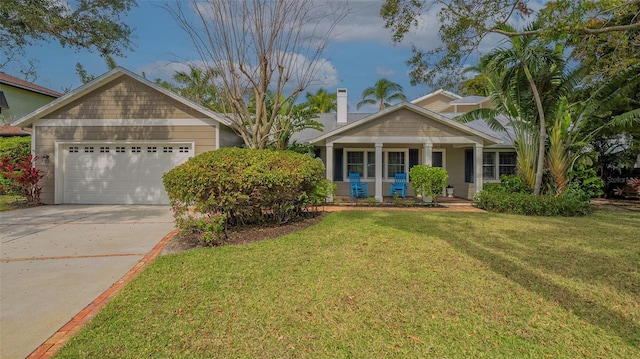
55,260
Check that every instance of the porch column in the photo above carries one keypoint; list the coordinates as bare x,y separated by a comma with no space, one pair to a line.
427,153
329,168
379,172
478,177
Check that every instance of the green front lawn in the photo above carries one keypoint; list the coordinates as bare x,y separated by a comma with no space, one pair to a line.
378,284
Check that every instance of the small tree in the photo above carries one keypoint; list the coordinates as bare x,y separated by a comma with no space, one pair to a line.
427,180
24,175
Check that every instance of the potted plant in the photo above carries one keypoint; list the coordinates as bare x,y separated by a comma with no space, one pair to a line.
428,181
449,191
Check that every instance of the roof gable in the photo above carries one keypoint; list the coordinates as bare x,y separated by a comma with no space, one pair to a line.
443,125
120,94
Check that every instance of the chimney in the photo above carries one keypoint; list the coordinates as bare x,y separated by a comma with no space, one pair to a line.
341,107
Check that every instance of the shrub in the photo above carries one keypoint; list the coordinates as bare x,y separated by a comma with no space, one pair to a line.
427,180
508,184
24,177
13,149
568,204
247,186
586,179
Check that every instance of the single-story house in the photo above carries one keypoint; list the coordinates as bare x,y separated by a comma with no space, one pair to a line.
423,131
111,140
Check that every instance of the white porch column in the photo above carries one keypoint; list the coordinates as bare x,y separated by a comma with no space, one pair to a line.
378,172
478,176
329,167
427,153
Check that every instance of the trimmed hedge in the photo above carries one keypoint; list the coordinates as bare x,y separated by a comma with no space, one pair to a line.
569,204
246,186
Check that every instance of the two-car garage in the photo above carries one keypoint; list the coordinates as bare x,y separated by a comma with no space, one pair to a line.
118,172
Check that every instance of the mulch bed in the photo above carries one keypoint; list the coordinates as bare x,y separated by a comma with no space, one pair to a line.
246,234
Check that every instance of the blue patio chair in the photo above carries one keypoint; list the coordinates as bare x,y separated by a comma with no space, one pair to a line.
399,185
358,189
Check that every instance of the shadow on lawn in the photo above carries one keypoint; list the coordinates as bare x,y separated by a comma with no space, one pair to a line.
472,242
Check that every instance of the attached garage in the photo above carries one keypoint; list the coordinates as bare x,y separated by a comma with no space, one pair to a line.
119,172
111,140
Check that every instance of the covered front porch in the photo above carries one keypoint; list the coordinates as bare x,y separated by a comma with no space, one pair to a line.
377,164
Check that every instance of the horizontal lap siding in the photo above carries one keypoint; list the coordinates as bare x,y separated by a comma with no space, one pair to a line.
46,137
404,123
125,98
435,103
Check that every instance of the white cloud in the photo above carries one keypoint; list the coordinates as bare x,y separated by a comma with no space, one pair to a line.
166,69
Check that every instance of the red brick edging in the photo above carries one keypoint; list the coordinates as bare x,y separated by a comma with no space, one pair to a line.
60,337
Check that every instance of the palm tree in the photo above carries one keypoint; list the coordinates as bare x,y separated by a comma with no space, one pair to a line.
198,86
322,101
383,92
532,70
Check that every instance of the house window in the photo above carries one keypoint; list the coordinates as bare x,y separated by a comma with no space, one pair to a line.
489,165
167,149
135,149
73,149
396,163
104,149
496,164
119,149
371,164
183,149
364,163
355,162
152,149
88,149
507,163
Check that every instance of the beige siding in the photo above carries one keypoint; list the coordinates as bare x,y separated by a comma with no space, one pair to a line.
124,98
403,123
46,137
436,103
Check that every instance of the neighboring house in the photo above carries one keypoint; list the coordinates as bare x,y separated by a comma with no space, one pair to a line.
424,131
111,140
23,97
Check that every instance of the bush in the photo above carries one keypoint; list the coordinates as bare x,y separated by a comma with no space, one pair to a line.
428,181
23,176
15,147
508,184
246,186
12,149
568,204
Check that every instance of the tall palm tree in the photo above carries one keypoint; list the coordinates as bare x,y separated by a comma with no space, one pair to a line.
322,101
382,93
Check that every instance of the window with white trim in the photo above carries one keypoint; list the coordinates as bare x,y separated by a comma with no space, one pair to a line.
396,163
355,162
507,163
496,164
489,165
392,162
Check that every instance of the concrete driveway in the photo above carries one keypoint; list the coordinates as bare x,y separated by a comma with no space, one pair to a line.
55,260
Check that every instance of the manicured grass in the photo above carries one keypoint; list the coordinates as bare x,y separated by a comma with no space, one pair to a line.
10,202
371,284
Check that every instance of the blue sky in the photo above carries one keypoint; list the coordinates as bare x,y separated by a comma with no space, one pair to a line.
360,53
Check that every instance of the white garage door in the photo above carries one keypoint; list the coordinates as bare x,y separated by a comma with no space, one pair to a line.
119,173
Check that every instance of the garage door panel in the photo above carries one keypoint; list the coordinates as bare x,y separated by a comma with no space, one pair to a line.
120,173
